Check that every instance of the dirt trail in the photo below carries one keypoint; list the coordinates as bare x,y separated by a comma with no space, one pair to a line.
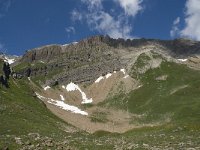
178,88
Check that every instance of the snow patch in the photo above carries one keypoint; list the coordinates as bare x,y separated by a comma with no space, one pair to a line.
39,96
47,87
8,60
62,97
65,45
67,107
126,76
63,105
123,70
72,87
108,75
183,60
74,43
99,79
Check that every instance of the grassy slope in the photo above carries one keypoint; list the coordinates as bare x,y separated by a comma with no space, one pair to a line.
155,97
21,113
158,99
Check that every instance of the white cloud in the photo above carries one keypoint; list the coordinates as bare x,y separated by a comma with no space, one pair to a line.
93,4
192,20
176,21
76,15
131,7
70,30
99,20
106,24
175,30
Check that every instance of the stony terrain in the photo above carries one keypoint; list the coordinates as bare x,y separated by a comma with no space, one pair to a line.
159,139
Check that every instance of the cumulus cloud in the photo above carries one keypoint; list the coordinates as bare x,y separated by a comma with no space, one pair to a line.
175,29
105,23
192,20
102,21
131,7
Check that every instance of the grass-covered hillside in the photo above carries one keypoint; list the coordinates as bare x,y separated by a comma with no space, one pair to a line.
21,113
172,89
170,92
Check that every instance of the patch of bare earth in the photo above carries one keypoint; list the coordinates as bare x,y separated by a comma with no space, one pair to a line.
162,78
113,120
177,89
100,91
194,62
118,121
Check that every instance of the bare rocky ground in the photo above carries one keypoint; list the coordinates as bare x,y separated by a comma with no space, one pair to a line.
194,62
179,138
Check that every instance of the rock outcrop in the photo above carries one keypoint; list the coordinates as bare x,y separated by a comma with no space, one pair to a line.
90,58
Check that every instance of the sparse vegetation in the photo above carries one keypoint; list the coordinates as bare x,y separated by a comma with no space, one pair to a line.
142,60
99,117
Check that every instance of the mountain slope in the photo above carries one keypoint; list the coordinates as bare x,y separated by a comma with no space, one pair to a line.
170,92
146,92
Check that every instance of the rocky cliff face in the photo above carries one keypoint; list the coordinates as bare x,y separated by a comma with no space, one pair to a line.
95,56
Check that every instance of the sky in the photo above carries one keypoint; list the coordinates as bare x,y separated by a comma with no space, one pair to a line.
27,24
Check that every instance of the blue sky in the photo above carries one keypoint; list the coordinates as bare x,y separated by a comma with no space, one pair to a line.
26,24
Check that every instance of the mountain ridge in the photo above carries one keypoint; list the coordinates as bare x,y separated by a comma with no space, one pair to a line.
99,39
97,55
